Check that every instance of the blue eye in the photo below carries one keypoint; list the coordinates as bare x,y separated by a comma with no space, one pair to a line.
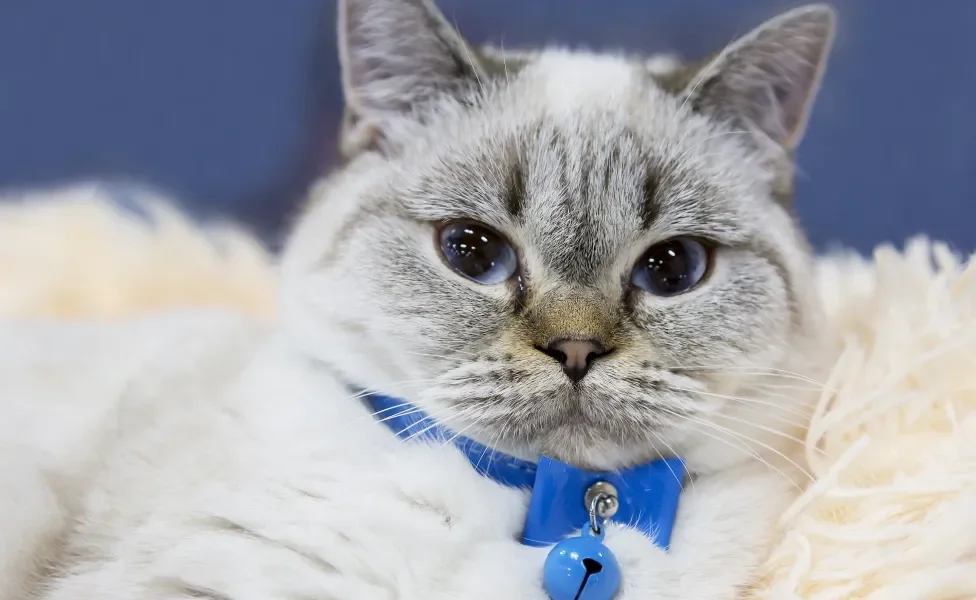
671,267
477,252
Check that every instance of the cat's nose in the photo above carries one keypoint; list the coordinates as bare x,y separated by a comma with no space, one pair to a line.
574,355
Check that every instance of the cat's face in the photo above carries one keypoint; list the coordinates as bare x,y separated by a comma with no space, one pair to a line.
568,253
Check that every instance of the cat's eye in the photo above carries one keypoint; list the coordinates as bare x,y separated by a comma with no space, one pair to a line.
477,252
672,267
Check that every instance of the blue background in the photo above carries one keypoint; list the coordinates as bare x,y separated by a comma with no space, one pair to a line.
232,105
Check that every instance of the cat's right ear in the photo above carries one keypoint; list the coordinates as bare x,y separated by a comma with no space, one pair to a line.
396,56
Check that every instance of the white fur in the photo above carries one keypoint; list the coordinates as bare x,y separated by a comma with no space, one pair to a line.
570,83
213,421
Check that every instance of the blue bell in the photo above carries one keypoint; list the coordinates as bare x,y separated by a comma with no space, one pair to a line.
581,568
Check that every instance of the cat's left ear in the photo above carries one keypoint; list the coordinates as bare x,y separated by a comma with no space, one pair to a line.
396,56
766,81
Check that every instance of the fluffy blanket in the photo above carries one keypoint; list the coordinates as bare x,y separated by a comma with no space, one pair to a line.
891,512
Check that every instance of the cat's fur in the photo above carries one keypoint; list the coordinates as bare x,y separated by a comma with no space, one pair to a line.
199,456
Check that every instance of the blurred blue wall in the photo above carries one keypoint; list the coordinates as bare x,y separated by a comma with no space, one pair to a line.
232,104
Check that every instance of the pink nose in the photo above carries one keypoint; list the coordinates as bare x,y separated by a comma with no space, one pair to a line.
574,355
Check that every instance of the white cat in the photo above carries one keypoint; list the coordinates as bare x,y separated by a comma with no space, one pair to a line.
581,256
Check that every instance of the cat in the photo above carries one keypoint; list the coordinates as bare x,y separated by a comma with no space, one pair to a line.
578,255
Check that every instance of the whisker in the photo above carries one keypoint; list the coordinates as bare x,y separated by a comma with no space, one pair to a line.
417,403
763,410
801,414
459,432
489,450
752,370
763,445
788,400
443,356
771,430
744,446
661,439
741,445
405,413
435,419
406,382
786,386
379,412
798,384
412,410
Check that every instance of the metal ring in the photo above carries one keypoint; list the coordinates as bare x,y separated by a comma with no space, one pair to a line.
599,506
609,508
601,503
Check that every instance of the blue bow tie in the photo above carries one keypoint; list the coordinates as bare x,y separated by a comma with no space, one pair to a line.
647,494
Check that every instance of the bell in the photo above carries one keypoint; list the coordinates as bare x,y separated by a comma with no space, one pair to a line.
581,568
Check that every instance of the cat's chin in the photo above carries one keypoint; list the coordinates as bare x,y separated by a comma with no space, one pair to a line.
596,449
583,446
588,428
602,455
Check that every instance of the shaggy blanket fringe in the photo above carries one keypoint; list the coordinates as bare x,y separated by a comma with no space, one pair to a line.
75,252
891,450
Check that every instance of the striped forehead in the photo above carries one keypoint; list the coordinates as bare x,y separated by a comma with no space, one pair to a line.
584,198
588,178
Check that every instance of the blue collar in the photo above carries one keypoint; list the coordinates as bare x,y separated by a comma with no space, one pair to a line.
647,494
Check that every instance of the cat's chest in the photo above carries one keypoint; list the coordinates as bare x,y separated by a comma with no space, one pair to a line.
287,514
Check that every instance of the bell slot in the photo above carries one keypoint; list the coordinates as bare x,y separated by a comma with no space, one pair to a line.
592,568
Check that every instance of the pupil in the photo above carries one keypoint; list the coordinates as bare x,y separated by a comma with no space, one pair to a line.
475,251
669,266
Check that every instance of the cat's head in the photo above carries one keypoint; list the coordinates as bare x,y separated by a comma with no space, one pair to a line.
587,255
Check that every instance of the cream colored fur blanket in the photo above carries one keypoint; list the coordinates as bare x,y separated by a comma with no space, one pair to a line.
892,447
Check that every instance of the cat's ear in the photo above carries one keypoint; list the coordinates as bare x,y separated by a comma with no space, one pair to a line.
767,80
397,55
